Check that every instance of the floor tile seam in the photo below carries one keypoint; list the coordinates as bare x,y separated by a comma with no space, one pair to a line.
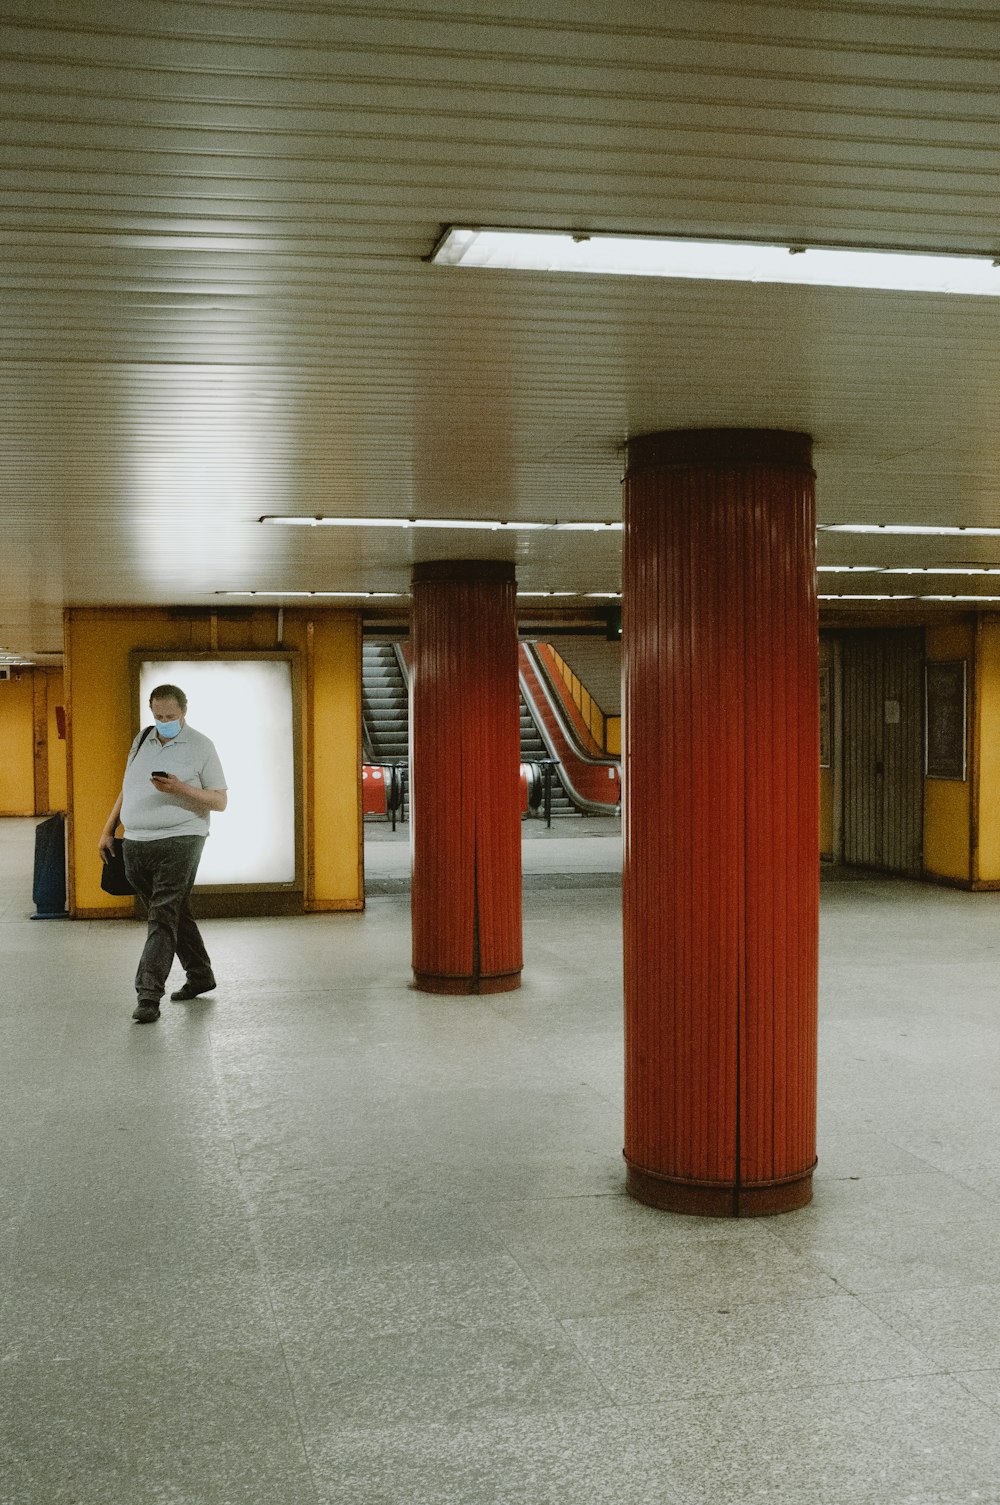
642,1309
33,1186
279,1340
950,1288
560,1325
756,1388
901,1334
261,1265
803,1302
957,1376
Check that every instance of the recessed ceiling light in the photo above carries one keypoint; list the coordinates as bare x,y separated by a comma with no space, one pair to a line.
715,260
913,529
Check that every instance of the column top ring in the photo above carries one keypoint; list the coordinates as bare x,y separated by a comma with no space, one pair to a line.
463,572
782,449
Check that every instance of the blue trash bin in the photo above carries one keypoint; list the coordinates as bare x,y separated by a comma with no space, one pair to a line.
49,891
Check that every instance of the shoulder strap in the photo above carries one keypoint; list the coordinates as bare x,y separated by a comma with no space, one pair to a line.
145,733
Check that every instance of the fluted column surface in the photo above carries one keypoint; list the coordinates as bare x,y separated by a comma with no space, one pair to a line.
721,820
465,778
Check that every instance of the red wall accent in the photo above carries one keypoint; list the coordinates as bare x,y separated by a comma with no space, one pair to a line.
465,778
721,866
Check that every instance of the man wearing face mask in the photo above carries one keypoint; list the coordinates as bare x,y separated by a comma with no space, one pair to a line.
173,779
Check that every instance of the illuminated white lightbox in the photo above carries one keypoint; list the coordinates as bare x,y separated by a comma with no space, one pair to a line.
246,706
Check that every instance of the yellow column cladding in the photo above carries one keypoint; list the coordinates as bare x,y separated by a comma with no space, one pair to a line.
947,802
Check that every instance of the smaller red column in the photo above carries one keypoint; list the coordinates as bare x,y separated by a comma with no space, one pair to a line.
465,804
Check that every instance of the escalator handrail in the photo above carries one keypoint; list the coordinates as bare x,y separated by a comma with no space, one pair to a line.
568,731
593,807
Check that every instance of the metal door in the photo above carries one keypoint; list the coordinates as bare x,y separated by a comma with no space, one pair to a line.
883,776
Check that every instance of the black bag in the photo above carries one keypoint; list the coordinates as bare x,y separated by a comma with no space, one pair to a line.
113,879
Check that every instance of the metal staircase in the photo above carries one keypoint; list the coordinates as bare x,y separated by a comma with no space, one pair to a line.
385,709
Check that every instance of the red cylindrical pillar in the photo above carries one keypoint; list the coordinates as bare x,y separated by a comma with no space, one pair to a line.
465,804
721,820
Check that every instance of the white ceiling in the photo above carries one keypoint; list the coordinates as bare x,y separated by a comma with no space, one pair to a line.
213,219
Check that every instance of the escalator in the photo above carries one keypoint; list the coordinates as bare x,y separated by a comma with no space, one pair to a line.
385,724
533,750
385,713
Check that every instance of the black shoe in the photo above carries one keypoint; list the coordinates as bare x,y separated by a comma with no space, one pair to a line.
146,1013
189,991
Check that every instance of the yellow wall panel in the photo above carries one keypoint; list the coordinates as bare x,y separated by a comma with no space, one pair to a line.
55,694
987,682
948,802
946,829
613,736
17,730
99,703
337,879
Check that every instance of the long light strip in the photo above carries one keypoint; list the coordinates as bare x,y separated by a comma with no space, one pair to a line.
475,524
555,525
339,595
907,569
715,260
915,530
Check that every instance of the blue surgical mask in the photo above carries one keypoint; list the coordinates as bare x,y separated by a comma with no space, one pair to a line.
167,729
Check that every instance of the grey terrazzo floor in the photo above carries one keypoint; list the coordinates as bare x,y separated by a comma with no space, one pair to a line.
324,1239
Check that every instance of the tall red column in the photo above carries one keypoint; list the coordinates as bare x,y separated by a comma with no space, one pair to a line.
465,778
721,820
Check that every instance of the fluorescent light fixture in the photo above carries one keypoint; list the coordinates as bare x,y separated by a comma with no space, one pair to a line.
940,569
478,524
960,598
849,569
524,595
338,595
604,595
715,260
914,529
338,522
589,527
867,598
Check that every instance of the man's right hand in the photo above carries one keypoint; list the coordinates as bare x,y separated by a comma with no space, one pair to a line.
106,847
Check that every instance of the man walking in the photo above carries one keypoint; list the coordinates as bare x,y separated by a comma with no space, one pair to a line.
173,779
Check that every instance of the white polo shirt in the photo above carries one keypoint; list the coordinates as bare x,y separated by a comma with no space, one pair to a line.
148,815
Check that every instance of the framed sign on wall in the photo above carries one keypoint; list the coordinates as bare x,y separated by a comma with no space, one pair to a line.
945,719
247,703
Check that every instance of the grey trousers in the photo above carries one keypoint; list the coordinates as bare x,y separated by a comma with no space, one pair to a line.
162,874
